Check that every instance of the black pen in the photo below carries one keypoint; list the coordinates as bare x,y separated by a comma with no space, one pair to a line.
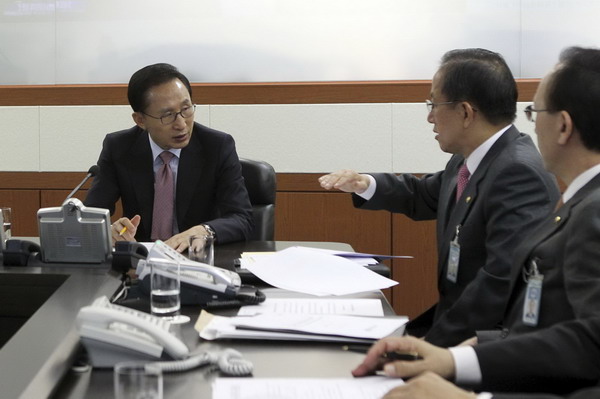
388,355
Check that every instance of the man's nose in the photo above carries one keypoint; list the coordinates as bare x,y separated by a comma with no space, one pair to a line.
179,122
430,117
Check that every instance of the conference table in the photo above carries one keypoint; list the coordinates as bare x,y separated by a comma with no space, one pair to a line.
53,373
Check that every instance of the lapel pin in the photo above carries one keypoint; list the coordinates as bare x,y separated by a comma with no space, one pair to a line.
557,219
468,199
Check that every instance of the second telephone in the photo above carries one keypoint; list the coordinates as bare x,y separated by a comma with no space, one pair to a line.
113,333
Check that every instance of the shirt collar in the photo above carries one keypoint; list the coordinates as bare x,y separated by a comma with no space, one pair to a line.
476,156
580,181
156,150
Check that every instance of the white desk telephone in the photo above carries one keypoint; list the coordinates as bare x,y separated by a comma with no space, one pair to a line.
113,333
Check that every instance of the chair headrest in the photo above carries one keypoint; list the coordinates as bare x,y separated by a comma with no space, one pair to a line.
261,181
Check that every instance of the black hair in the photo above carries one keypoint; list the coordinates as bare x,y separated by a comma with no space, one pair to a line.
575,87
148,77
482,78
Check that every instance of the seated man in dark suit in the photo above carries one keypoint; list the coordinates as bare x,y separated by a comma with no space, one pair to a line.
175,177
483,214
555,350
431,386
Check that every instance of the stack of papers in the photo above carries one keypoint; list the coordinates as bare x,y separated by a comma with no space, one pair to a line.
299,327
356,257
302,388
354,307
315,272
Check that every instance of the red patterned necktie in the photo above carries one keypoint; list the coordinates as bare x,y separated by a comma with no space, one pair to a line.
162,215
462,180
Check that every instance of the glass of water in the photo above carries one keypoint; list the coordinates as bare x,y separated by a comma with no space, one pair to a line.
202,249
165,290
136,380
6,226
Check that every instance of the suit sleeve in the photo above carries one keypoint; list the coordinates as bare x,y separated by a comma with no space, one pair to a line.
527,396
234,212
517,198
580,394
415,197
104,191
560,359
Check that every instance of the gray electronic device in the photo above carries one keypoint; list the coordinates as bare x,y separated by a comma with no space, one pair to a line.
73,233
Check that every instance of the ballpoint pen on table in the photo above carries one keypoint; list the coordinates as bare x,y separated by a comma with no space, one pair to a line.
387,355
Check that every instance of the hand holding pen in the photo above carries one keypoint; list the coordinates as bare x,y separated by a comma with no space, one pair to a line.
422,356
124,229
387,357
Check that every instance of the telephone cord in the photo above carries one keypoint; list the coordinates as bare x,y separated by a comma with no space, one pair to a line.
229,362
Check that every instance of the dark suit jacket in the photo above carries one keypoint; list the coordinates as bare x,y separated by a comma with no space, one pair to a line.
509,193
565,354
586,393
210,188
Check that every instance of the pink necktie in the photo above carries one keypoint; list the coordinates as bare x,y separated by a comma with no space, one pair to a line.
462,180
162,215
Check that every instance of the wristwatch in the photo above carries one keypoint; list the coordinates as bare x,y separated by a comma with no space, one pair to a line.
209,230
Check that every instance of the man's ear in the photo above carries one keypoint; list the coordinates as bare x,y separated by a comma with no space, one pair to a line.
138,118
468,113
566,127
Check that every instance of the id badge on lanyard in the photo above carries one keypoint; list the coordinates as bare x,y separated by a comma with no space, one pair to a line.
533,295
453,258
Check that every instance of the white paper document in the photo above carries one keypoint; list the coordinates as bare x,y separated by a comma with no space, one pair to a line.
344,326
355,307
313,272
330,328
353,255
303,388
356,257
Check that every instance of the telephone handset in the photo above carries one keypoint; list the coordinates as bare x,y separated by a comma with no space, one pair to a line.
192,272
113,333
200,283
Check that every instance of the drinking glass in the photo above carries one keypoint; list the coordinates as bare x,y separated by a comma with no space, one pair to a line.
165,290
7,224
138,380
202,249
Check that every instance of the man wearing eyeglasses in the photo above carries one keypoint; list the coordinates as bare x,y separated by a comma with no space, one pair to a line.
557,352
492,192
175,177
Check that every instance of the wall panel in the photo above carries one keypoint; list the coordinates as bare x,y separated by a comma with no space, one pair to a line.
331,92
24,204
417,277
331,217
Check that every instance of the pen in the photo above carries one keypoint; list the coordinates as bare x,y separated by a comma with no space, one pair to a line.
387,355
123,230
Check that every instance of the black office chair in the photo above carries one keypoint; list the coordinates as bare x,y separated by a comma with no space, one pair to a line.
261,184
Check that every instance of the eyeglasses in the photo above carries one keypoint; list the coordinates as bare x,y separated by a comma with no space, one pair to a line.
171,117
431,105
529,110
